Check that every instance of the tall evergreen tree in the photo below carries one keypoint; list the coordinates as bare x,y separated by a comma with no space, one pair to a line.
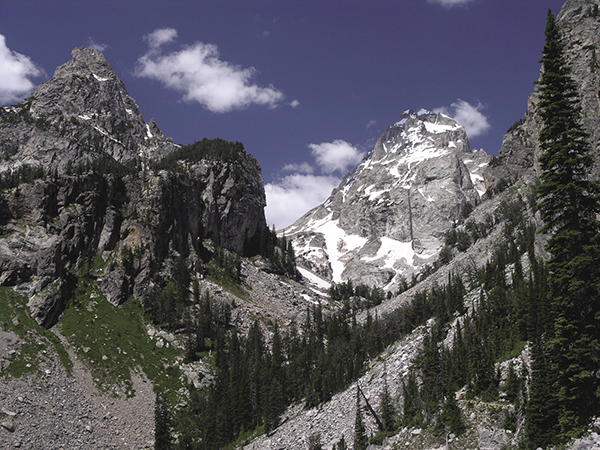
569,202
163,439
541,411
388,412
361,441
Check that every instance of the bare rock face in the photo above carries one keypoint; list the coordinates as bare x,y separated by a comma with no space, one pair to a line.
389,216
518,156
81,115
103,205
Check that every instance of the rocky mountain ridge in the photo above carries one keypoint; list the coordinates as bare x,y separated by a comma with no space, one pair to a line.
519,153
387,219
82,114
76,158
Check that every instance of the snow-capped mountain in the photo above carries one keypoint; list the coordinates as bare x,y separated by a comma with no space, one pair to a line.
388,217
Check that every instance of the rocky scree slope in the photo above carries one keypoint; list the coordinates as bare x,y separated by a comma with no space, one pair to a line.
387,219
84,187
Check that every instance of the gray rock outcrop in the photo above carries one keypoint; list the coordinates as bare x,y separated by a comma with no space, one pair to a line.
388,217
84,193
518,156
83,114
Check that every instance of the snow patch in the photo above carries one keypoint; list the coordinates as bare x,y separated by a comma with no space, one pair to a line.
436,128
100,78
400,123
475,177
373,194
148,132
314,279
337,243
429,198
391,251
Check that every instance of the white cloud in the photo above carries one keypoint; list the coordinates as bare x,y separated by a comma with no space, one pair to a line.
202,76
295,103
96,45
450,3
335,156
161,36
371,124
294,195
15,73
301,168
468,116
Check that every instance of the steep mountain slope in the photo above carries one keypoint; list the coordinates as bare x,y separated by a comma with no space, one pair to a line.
79,190
509,179
387,219
83,113
518,156
109,234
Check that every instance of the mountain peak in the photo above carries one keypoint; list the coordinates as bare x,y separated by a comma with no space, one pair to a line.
83,113
85,85
87,63
87,59
387,218
434,122
421,134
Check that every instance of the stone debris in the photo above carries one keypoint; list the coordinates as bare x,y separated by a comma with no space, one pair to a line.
50,409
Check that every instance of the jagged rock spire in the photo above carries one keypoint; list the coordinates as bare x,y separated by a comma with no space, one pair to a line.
83,113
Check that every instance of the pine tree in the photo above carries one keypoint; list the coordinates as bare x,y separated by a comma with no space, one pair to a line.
314,442
163,439
452,416
413,416
361,442
341,444
569,202
388,412
541,410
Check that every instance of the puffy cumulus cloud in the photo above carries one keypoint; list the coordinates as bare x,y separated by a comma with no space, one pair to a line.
198,72
294,195
301,168
96,45
15,73
337,156
468,116
160,36
310,184
450,3
295,103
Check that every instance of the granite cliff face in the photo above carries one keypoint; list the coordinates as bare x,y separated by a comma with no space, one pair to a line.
82,114
387,219
85,184
518,156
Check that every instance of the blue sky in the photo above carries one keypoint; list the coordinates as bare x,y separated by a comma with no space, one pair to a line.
307,86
